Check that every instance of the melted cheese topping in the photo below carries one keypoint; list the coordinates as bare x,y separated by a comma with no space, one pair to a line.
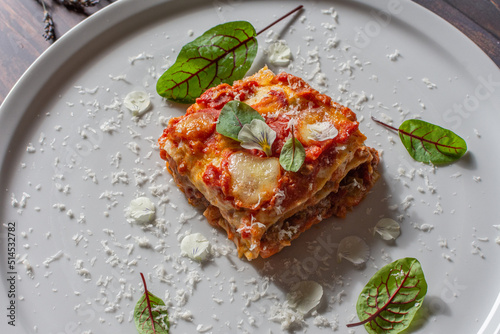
253,179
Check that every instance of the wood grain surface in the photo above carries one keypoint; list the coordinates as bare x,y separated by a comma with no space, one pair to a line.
477,19
22,27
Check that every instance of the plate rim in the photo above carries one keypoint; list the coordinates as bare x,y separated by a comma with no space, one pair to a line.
112,15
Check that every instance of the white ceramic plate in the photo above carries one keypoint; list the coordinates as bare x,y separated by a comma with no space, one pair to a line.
62,125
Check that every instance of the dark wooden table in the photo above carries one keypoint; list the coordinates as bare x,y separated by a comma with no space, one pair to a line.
21,29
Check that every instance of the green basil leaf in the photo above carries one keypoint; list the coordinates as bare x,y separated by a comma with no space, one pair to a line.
154,322
233,116
292,155
222,54
390,299
430,143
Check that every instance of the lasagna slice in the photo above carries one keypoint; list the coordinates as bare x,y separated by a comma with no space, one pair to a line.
260,205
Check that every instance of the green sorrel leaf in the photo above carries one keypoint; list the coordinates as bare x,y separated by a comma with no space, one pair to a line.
233,116
391,298
292,155
222,54
430,143
150,315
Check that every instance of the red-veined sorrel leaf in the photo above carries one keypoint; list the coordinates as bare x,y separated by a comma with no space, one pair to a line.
391,297
222,54
150,313
429,143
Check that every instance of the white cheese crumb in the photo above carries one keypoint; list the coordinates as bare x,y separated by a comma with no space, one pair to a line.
185,218
443,243
394,56
332,12
134,147
424,227
122,77
90,175
217,300
346,67
80,270
20,203
59,206
181,297
447,257
439,209
140,56
143,242
115,105
110,126
203,329
186,315
30,148
286,316
476,250
53,258
332,42
407,202
120,176
29,268
428,83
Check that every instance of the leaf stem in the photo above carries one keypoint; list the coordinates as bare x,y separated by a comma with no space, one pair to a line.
146,293
359,323
281,18
384,124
